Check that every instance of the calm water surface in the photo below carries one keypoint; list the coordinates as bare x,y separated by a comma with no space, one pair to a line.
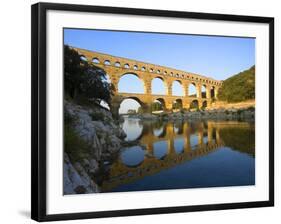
183,154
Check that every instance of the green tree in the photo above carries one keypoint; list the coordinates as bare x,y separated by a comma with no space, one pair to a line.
239,87
83,79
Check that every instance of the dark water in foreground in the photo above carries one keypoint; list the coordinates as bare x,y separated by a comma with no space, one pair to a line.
183,154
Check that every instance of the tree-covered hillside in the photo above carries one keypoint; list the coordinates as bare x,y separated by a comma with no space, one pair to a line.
239,87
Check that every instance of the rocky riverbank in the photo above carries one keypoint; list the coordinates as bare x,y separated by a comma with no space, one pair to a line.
211,114
91,139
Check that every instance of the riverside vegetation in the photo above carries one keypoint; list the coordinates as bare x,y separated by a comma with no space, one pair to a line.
92,138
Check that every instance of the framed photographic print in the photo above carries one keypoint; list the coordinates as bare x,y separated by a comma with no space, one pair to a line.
139,111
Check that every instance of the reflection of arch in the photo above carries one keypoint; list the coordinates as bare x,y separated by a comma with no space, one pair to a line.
133,156
192,90
136,84
159,86
163,134
178,128
177,88
159,128
194,104
203,91
179,145
160,149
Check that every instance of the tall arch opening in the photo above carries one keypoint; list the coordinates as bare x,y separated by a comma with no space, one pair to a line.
192,90
203,91
177,89
130,83
158,86
212,93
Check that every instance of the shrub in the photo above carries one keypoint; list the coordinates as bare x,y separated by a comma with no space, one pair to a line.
97,116
74,145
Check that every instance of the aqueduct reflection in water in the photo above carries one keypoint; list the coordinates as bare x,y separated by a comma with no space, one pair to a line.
164,145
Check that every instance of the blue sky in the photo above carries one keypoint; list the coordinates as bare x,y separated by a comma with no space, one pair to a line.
212,56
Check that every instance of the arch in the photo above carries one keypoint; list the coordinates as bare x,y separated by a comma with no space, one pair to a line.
192,90
107,62
204,104
194,104
83,58
96,60
158,86
117,64
136,67
204,91
158,71
177,88
151,70
143,68
131,83
162,101
158,105
177,104
130,103
127,66
212,92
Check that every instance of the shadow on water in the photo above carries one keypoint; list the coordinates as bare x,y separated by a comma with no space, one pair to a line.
183,154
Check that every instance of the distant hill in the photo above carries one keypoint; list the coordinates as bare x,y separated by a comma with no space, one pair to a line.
239,87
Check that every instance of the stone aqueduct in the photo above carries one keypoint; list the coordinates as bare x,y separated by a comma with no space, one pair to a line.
116,67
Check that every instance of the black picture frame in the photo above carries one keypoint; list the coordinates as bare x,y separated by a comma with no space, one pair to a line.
39,107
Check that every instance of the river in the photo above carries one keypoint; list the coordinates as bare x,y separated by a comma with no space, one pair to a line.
183,154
